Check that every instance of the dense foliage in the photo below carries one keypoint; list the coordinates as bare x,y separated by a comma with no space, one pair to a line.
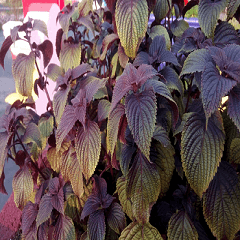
141,140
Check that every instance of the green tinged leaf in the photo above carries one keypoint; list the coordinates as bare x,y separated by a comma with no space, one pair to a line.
22,185
22,70
125,201
161,9
131,20
202,150
235,151
72,208
221,206
143,187
4,137
208,15
112,127
103,109
106,44
54,71
70,55
140,232
178,27
196,62
88,146
180,226
32,134
232,8
160,135
40,26
141,110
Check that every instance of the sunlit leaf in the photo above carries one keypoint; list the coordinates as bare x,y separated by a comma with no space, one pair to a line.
143,187
180,226
116,218
13,97
141,113
88,146
88,23
103,109
54,71
22,70
221,207
4,137
70,55
40,26
22,185
202,150
96,225
131,27
32,134
208,14
161,9
137,231
106,44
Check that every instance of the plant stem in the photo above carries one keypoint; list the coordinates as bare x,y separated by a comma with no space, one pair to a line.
189,93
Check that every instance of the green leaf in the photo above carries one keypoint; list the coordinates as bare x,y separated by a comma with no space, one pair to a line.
88,146
116,218
59,102
208,15
54,71
114,63
4,137
32,134
161,9
70,55
22,70
180,226
178,27
40,26
96,225
163,157
72,208
232,8
143,187
112,127
103,109
140,232
214,88
45,127
22,185
221,206
202,150
125,201
196,62
107,43
235,151
131,21
159,30
141,110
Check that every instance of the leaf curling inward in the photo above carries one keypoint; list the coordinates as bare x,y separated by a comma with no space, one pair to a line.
4,49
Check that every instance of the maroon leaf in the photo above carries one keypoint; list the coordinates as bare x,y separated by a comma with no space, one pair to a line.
66,124
45,209
47,50
122,128
54,186
41,191
116,218
32,233
2,187
43,230
96,225
29,215
80,70
59,41
5,47
123,58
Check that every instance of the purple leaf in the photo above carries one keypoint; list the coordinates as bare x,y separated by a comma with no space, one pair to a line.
141,58
41,191
80,70
103,109
59,41
43,230
58,201
96,225
66,124
32,233
5,47
116,218
29,215
54,186
47,50
161,135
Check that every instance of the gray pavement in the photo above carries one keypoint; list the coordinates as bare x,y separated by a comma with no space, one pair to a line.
6,86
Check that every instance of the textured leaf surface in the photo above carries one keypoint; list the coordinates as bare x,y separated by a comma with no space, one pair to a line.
141,112
106,44
116,218
234,106
66,124
72,208
160,135
103,109
22,185
137,231
178,27
45,209
131,21
22,70
143,187
54,159
208,14
235,151
32,134
163,157
221,206
161,9
125,201
113,125
214,87
88,146
232,8
70,56
54,71
96,225
3,149
202,150
180,226
196,62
